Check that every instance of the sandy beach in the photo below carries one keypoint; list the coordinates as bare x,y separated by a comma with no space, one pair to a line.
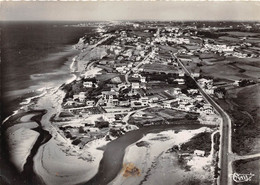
58,161
20,141
155,163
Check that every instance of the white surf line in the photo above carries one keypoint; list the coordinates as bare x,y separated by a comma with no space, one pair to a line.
28,100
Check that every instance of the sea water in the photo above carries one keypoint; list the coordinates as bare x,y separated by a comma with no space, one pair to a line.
35,56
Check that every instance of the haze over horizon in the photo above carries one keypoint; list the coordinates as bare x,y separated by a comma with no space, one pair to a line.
130,10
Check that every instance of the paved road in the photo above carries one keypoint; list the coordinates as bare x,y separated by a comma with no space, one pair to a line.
225,143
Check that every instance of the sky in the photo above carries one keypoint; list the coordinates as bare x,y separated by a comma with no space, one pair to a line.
130,10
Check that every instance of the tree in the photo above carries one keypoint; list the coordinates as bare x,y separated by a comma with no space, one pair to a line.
190,82
81,130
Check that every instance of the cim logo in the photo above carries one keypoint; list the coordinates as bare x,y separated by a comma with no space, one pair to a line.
242,177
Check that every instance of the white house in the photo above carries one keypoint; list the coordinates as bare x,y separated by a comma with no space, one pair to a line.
88,84
81,96
69,102
181,73
110,98
199,153
109,117
143,79
199,97
136,103
205,83
180,81
153,99
120,69
209,91
177,90
207,108
167,104
182,107
90,102
124,103
135,85
193,91
144,101
195,73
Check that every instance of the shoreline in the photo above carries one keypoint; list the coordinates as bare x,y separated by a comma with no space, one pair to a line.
111,159
146,158
27,107
40,89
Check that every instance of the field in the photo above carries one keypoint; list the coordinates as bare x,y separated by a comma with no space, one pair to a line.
243,106
242,34
230,39
254,41
168,48
230,72
199,142
106,76
249,106
161,116
158,68
191,47
208,55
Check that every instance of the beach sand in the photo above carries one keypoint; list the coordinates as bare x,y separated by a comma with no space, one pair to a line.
58,161
20,142
155,163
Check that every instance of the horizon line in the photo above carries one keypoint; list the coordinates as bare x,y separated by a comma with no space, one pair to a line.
130,20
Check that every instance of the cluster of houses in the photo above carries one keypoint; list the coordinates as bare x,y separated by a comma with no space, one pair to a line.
219,47
229,50
175,40
133,95
193,101
207,85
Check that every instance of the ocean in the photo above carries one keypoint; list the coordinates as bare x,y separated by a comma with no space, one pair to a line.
34,56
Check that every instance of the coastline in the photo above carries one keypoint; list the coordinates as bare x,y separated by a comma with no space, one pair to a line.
19,119
56,160
114,160
147,157
44,81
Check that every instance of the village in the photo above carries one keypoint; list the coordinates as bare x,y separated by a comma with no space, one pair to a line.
133,76
130,93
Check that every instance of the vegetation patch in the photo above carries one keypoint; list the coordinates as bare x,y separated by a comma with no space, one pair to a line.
202,141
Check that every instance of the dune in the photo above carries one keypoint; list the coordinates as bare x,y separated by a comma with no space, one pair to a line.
60,162
20,141
145,158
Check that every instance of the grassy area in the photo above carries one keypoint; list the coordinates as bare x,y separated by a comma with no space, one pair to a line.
158,67
246,116
225,72
155,116
168,48
208,55
241,34
201,141
230,39
243,106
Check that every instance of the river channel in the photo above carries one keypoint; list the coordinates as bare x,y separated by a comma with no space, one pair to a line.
112,160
